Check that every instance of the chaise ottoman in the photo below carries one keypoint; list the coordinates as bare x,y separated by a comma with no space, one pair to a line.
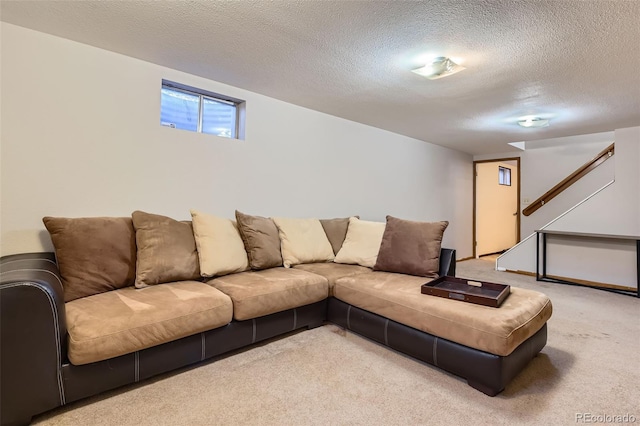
485,345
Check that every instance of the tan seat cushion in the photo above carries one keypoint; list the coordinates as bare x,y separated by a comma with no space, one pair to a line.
495,330
332,271
122,321
265,292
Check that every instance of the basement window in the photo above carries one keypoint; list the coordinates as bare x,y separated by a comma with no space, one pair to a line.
188,108
504,176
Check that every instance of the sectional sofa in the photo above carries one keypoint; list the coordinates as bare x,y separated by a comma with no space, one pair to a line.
124,299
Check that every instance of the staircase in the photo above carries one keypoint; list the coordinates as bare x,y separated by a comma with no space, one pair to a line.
612,206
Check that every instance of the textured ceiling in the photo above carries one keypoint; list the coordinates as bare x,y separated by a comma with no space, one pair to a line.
576,62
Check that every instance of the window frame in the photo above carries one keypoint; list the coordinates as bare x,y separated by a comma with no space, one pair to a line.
504,176
239,105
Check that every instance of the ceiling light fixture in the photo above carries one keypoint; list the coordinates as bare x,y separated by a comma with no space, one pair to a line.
533,122
440,67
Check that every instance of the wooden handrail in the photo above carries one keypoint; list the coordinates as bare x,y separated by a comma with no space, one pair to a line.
570,180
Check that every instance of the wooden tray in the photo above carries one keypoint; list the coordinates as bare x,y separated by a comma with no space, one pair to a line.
480,293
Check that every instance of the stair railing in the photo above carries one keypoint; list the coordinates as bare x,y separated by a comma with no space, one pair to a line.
603,156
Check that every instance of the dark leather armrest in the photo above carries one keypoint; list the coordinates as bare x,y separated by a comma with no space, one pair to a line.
447,262
32,336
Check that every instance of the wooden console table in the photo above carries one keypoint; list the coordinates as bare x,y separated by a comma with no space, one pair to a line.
541,239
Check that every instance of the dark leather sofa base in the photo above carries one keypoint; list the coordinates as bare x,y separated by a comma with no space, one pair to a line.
483,371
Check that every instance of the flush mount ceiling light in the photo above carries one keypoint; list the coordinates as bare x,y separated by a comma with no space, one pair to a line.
533,122
440,67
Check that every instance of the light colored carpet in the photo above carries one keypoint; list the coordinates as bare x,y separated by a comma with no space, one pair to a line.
591,364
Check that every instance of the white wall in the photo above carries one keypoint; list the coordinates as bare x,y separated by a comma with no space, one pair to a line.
552,164
81,136
546,162
495,205
598,260
613,210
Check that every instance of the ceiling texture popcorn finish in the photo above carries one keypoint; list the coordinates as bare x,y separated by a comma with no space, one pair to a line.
574,62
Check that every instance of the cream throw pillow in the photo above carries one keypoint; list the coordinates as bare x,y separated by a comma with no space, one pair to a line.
362,243
220,247
303,241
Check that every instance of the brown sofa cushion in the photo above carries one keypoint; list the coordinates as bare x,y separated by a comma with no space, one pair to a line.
166,250
336,230
94,254
261,240
119,322
410,247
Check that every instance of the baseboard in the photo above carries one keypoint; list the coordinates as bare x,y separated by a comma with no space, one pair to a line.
519,272
493,253
465,258
578,281
593,283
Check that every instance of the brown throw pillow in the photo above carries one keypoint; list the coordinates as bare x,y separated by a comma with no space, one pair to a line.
261,240
410,247
94,254
336,230
166,250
